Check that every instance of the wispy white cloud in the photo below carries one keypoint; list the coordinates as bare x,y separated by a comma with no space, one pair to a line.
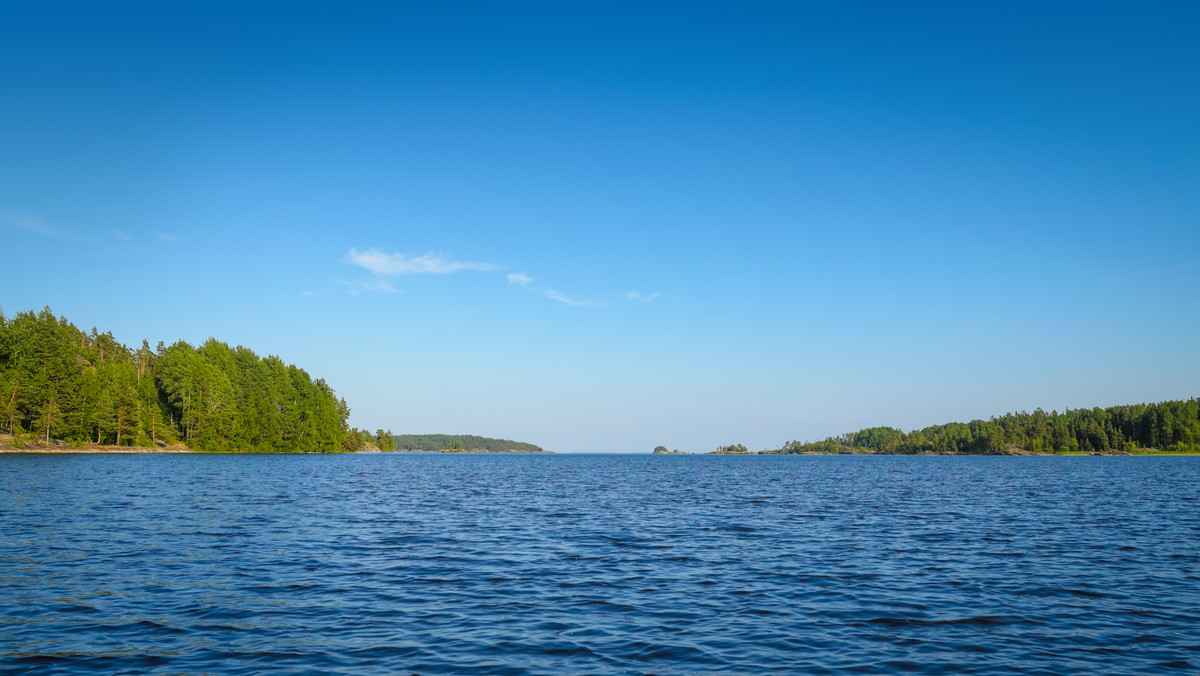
33,223
644,297
165,236
383,263
525,281
306,293
120,234
554,295
381,285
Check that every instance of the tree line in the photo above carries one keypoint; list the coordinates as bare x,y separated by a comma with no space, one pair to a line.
60,382
1172,426
364,440
453,442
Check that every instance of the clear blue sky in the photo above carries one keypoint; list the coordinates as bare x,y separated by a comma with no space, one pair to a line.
608,226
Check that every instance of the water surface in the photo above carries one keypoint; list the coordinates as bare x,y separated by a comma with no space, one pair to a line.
508,564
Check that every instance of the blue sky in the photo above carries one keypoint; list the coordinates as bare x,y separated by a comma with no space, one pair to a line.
604,226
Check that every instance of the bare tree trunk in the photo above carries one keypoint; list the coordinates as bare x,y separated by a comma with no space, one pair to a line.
12,416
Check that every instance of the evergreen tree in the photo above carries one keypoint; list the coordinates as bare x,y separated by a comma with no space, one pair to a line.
88,386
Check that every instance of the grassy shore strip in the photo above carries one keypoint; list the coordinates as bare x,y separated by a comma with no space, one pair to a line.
25,444
94,449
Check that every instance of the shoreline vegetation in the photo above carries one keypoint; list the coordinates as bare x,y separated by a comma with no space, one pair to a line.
11,444
1168,427
386,442
85,389
1163,428
65,390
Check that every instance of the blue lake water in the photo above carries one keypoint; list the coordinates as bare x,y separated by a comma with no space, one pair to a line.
512,564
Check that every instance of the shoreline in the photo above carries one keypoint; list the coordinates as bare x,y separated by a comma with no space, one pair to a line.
8,445
92,450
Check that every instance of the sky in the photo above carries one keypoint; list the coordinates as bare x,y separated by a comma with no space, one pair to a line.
606,226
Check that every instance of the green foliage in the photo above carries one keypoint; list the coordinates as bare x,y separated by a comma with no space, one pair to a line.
64,382
734,449
466,442
1169,425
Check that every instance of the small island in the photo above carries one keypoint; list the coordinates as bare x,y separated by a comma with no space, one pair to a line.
662,450
733,449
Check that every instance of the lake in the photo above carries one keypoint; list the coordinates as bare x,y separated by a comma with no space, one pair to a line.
599,564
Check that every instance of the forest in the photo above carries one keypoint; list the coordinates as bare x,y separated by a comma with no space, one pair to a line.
59,382
1169,426
459,442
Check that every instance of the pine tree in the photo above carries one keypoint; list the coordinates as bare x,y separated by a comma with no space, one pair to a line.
51,417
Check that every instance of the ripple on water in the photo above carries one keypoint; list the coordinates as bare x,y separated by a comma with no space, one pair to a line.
598,564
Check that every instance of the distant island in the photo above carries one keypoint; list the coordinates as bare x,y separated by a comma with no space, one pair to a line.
1136,429
438,443
662,450
1164,428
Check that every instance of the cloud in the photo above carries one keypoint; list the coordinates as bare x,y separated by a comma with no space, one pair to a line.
381,285
645,298
33,223
523,280
306,293
382,263
119,234
165,237
554,295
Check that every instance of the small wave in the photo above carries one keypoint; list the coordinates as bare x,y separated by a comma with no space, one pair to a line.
738,528
980,621
1061,591
75,608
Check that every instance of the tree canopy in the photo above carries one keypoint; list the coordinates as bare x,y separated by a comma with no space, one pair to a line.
461,442
86,387
1167,426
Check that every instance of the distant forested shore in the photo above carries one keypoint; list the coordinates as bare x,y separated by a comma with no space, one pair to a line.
1164,427
63,386
436,443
